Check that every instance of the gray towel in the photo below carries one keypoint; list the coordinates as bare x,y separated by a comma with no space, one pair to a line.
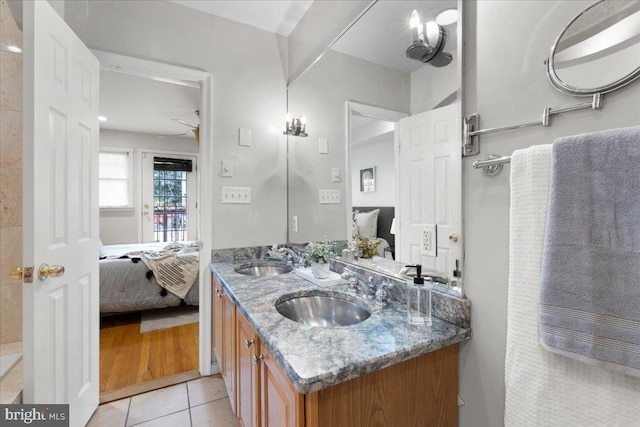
590,278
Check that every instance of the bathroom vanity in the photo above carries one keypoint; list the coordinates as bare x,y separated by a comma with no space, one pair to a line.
278,372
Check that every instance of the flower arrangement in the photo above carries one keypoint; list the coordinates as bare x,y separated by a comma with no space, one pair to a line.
319,252
367,247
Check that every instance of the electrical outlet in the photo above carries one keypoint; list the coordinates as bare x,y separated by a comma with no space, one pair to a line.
428,241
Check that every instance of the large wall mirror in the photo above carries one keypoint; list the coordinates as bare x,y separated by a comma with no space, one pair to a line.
383,132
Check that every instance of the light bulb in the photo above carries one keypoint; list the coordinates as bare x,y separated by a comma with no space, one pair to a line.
288,117
303,119
414,21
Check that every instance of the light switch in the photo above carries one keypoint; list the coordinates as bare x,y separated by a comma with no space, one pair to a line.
244,137
335,175
227,168
329,197
236,195
295,223
323,146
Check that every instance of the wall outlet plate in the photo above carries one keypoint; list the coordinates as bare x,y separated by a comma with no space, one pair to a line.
336,175
244,137
428,240
227,168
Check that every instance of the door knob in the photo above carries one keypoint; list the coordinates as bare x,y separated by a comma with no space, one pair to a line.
453,237
54,271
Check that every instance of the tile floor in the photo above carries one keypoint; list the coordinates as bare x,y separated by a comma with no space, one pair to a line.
201,402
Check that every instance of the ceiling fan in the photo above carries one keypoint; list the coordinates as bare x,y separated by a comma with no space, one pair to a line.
193,128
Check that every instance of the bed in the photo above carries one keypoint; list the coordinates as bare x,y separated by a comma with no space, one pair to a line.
381,232
127,284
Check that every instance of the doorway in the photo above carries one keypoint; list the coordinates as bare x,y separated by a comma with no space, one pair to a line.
173,353
373,150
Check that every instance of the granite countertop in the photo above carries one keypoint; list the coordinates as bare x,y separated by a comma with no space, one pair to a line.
315,358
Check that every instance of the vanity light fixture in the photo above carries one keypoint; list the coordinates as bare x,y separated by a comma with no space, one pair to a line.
296,126
428,42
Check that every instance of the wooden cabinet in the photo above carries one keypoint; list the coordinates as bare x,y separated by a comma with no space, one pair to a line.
281,405
224,337
247,385
229,347
217,317
421,391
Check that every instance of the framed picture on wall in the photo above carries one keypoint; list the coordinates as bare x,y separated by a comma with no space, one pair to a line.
368,179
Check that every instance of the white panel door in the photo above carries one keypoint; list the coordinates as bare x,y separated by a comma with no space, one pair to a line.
61,134
430,186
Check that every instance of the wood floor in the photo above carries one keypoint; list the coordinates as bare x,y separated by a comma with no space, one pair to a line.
128,357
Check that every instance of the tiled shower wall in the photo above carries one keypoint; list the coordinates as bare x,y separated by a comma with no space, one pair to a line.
10,177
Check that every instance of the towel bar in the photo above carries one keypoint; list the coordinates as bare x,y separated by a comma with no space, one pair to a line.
492,165
471,133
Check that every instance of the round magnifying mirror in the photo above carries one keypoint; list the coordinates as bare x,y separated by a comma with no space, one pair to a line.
599,50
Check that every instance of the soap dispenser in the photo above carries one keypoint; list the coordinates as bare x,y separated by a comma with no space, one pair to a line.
419,299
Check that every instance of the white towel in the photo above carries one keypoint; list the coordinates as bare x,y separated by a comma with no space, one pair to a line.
542,388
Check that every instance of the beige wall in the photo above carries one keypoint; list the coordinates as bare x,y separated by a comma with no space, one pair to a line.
10,177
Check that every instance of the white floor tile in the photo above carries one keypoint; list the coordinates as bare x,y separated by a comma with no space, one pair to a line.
179,419
217,414
206,389
112,414
157,403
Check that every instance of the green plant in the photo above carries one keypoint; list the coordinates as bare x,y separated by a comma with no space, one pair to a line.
319,252
368,248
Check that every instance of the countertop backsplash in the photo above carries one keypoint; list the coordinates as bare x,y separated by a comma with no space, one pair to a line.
445,305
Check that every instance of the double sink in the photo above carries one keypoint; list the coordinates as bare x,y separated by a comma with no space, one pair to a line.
314,308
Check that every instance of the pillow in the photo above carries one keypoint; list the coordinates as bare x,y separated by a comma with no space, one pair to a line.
368,224
354,225
101,253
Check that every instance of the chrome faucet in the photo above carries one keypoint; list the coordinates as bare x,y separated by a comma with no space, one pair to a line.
404,270
382,295
291,255
354,281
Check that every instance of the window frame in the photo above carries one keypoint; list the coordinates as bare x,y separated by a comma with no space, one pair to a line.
130,154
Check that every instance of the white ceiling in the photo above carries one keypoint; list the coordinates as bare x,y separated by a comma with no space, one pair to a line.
275,16
137,104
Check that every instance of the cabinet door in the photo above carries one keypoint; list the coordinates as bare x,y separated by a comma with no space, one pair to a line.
229,348
217,322
281,404
248,388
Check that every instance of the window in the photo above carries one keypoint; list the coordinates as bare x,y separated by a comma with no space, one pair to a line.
115,179
170,204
